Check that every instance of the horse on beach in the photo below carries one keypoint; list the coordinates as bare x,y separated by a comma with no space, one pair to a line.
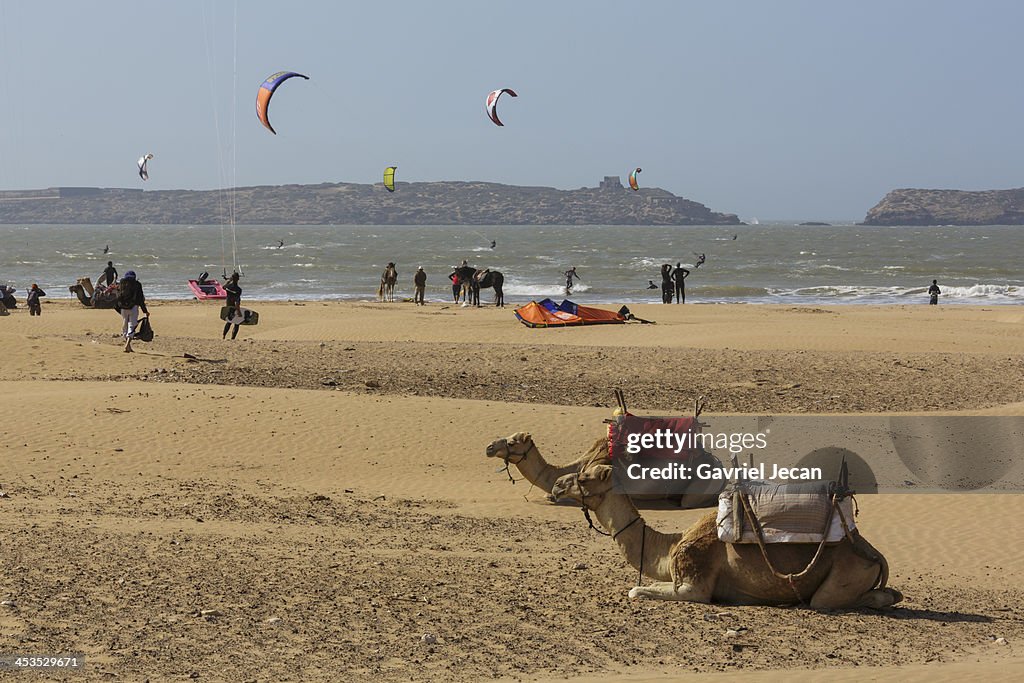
474,280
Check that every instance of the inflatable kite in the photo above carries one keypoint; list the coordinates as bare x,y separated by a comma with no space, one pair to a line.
632,179
144,166
389,178
266,91
492,104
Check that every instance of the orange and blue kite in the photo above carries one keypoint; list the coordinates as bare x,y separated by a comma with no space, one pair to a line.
266,91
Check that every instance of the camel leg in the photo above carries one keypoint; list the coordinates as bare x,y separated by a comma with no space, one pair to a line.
851,582
666,590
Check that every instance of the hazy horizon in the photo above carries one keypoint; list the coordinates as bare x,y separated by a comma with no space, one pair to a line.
792,110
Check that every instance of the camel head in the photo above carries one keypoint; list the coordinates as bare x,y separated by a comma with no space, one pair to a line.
587,488
515,446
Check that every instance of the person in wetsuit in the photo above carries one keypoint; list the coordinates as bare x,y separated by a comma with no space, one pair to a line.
678,278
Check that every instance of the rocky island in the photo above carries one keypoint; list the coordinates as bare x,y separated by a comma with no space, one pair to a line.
434,203
949,207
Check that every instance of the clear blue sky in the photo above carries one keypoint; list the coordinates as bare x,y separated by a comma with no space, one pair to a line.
778,109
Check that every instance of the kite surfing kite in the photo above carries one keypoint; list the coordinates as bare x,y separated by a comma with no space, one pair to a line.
144,166
266,91
389,178
632,179
492,104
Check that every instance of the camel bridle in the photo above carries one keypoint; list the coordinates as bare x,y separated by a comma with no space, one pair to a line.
509,454
590,522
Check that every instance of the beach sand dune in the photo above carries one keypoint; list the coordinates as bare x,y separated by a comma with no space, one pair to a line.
169,517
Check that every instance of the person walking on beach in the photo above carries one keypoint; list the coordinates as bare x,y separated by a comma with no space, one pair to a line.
679,278
569,275
419,281
130,298
35,306
110,273
666,283
933,293
234,302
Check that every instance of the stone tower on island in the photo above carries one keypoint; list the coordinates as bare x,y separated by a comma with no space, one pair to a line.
610,182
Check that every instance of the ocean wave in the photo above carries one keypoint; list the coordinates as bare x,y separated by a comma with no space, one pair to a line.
541,290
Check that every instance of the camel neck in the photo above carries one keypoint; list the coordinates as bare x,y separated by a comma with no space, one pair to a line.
538,472
617,515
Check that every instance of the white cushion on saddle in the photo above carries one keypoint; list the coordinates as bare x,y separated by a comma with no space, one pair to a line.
788,513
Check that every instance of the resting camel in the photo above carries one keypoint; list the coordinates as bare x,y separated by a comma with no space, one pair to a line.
694,566
520,450
386,291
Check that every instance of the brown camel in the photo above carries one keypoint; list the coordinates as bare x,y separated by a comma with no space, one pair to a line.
520,450
386,291
694,566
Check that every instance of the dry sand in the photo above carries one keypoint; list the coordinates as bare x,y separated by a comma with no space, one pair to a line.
320,485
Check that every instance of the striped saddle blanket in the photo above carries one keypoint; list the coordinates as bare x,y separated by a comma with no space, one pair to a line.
784,513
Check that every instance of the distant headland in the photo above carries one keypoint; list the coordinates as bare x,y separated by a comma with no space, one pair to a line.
437,203
949,207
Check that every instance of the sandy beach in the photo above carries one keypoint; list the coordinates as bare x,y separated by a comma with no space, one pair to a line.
309,501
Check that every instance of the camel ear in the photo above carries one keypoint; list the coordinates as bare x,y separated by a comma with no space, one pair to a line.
520,437
603,472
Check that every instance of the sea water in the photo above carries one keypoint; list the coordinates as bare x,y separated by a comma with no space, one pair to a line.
767,263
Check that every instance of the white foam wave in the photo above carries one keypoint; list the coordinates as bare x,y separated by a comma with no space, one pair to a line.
541,290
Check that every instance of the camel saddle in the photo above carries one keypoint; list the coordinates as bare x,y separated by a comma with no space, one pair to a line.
809,512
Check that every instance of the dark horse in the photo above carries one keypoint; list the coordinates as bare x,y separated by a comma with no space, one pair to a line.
476,280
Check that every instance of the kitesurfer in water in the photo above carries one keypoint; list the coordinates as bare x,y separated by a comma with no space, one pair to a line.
679,278
651,285
234,302
700,260
494,243
280,244
106,249
569,275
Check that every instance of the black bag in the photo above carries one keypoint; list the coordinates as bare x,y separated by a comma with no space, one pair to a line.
144,331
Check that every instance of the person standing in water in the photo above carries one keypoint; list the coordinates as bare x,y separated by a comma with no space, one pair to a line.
234,302
679,278
569,275
35,306
666,283
110,273
933,293
419,281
